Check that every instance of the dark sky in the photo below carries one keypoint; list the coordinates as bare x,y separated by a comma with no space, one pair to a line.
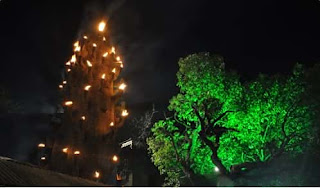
37,36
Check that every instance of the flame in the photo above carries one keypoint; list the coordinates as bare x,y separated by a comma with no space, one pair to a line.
113,50
87,87
68,63
101,26
76,44
118,58
60,86
85,37
124,113
111,124
104,39
121,65
94,45
77,49
73,58
83,118
68,70
115,158
64,82
105,54
103,76
89,63
122,86
41,145
76,152
96,174
118,177
43,158
114,70
68,103
65,150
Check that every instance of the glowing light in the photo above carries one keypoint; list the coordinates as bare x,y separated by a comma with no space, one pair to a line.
114,70
104,39
68,63
103,76
122,86
77,49
115,158
68,70
60,86
216,169
101,26
96,174
111,124
76,152
73,58
64,82
43,158
124,113
94,45
68,103
121,65
76,44
113,50
89,63
41,145
83,118
87,87
65,150
105,54
118,58
85,37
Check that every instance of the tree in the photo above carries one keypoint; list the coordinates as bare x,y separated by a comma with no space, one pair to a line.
85,142
239,125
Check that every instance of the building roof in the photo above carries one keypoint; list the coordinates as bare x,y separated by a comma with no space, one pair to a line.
15,173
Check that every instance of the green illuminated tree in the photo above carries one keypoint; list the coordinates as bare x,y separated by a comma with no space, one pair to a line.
236,126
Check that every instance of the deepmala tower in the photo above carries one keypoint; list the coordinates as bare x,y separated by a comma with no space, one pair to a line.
84,143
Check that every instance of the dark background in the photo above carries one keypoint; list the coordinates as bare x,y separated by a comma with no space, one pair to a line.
36,40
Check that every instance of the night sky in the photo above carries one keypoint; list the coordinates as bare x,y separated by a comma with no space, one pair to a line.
37,36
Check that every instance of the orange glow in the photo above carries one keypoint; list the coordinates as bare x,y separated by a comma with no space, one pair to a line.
60,86
41,145
94,45
87,87
103,76
85,37
118,58
121,65
68,70
73,58
65,150
64,82
105,54
101,26
96,174
111,124
68,103
115,158
83,118
113,50
43,158
122,86
76,152
89,63
68,63
114,70
124,113
104,39
118,177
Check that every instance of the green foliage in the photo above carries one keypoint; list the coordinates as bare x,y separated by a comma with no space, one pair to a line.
268,114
